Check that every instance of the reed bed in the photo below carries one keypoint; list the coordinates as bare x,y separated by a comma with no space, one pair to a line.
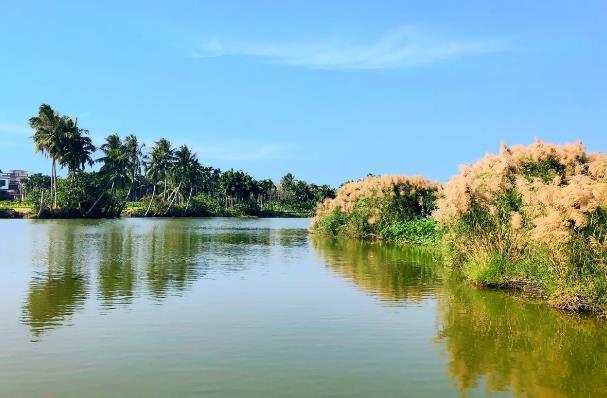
529,216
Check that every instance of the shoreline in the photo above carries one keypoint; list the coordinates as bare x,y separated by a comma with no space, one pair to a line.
568,303
15,215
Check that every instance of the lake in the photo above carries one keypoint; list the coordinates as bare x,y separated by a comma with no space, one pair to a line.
224,307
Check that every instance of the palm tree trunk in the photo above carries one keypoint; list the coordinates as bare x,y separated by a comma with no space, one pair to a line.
52,183
109,206
151,199
126,199
94,204
41,203
173,200
187,204
55,177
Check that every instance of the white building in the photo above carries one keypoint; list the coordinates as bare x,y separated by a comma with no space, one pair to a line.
11,184
5,180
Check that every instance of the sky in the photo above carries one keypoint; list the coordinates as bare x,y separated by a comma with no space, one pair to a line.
327,90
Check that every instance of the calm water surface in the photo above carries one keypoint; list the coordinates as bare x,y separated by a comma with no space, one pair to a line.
257,308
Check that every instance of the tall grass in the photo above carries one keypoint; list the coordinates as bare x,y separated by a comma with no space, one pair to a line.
530,216
386,207
535,216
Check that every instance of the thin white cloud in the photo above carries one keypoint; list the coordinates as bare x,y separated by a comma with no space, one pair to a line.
401,48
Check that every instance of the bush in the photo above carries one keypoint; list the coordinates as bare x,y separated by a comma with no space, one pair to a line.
248,208
82,196
534,215
387,207
205,205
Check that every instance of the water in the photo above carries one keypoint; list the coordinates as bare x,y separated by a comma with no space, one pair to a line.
257,308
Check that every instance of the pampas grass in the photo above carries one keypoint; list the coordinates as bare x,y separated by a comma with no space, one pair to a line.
534,214
381,207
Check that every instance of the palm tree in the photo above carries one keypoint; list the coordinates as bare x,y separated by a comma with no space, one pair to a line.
182,171
76,147
194,178
114,160
133,153
48,134
265,189
114,168
158,166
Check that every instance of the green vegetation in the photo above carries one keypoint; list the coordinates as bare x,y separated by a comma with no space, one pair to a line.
531,217
14,209
390,207
164,181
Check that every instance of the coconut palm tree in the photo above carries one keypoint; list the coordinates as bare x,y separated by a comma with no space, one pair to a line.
182,171
158,167
133,153
114,162
48,134
194,179
113,169
76,147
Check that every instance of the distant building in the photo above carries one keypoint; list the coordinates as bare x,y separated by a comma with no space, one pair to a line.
5,180
11,184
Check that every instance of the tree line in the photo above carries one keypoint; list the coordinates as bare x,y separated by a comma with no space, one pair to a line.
162,181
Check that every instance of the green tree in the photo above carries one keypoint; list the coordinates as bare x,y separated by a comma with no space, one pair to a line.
133,152
48,133
183,170
113,169
158,167
77,148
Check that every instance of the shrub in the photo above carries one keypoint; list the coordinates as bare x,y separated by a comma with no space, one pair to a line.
204,205
81,196
386,207
535,214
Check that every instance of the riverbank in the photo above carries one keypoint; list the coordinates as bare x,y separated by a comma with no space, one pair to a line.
531,217
23,211
10,209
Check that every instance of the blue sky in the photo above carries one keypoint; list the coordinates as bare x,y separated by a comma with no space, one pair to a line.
327,90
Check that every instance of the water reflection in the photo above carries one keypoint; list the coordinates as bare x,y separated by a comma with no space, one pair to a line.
130,259
57,292
393,273
518,346
495,341
117,270
491,341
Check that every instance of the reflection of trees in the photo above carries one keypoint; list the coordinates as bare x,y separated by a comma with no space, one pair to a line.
60,290
168,254
117,272
177,253
289,238
520,346
394,273
170,258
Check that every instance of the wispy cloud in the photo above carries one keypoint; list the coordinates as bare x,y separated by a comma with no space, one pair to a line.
403,47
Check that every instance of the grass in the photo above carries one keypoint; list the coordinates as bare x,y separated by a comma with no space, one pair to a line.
14,209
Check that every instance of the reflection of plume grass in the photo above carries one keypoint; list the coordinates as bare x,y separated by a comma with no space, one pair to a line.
381,207
500,339
534,214
393,273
